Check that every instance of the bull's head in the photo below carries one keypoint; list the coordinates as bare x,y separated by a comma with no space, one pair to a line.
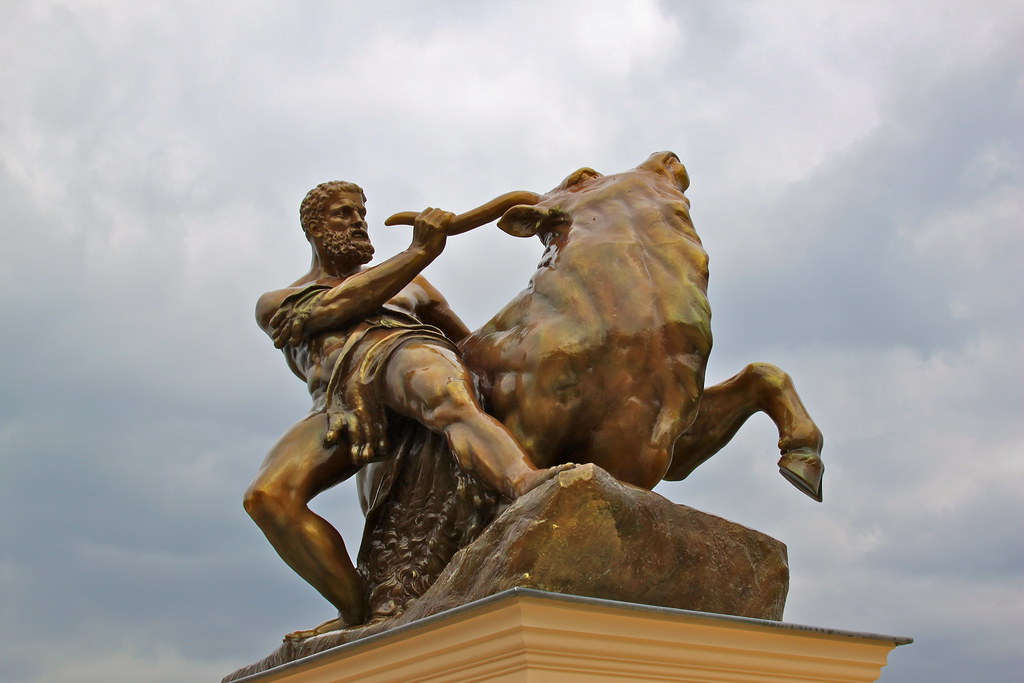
548,215
524,214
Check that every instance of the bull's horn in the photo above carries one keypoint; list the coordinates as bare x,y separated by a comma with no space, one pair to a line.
474,218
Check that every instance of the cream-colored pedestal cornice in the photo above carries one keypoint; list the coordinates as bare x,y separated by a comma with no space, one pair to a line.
528,636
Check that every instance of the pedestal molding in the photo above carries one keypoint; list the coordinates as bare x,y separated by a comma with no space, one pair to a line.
524,635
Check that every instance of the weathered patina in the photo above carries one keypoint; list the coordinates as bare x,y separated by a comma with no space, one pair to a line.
601,359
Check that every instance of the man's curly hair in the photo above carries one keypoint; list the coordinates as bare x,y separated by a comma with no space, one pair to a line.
312,208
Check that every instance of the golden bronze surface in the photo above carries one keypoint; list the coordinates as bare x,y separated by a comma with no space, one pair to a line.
366,341
600,360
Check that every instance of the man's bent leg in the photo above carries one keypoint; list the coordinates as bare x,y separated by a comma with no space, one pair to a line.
297,469
430,384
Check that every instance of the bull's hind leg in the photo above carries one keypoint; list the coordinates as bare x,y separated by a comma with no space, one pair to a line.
759,387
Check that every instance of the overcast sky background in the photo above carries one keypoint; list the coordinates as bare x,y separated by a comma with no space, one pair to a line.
856,178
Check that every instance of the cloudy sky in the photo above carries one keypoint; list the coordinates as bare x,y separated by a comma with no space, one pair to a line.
857,181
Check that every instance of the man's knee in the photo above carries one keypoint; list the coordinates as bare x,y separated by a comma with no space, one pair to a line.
256,502
268,505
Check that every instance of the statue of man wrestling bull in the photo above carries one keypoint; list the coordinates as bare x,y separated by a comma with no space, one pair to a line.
366,340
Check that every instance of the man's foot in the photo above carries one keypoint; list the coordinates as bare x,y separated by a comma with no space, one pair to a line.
531,479
335,624
803,468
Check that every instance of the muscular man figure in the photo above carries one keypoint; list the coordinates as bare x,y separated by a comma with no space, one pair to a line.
365,339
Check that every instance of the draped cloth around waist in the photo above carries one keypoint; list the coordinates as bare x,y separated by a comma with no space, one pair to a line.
357,376
420,506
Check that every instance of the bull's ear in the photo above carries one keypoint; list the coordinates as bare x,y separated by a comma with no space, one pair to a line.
523,220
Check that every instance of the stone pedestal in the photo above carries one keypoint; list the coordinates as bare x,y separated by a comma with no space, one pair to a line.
527,636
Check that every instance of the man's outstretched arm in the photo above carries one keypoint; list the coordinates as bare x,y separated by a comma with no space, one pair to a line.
366,291
361,293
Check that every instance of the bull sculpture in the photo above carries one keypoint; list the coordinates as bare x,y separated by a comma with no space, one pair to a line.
602,358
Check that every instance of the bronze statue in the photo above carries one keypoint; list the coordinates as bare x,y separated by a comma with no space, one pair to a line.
602,358
366,340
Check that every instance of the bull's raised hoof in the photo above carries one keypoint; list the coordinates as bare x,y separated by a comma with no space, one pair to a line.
803,469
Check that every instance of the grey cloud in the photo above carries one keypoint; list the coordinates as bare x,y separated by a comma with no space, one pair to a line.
152,164
847,228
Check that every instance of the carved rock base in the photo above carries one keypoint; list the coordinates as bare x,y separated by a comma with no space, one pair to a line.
587,534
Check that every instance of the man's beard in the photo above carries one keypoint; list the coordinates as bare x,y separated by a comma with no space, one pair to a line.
342,249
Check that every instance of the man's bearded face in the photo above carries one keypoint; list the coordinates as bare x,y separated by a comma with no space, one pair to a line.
350,249
343,236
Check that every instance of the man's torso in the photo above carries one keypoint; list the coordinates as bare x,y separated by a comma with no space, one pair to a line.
317,358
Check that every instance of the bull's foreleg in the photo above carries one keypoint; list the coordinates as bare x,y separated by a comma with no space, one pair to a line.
724,408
